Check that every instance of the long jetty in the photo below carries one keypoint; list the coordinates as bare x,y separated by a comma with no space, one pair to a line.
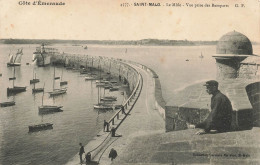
141,83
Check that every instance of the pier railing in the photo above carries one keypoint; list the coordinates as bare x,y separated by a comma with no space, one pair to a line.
126,103
95,152
159,101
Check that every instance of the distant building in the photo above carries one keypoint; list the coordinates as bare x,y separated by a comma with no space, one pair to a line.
232,49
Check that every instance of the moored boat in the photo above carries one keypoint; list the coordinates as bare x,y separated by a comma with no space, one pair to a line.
83,72
56,92
102,106
108,98
49,108
108,86
44,109
37,90
34,80
90,78
16,89
114,89
15,60
12,78
61,81
100,84
40,127
7,104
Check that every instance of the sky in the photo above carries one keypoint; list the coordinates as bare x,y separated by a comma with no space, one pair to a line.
107,20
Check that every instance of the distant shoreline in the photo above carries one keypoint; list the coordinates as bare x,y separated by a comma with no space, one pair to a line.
143,42
146,42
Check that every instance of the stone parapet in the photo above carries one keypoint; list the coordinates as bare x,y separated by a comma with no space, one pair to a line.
192,105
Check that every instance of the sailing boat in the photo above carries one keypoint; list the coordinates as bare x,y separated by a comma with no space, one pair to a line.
15,60
37,90
48,108
56,92
7,104
15,89
102,106
62,82
34,80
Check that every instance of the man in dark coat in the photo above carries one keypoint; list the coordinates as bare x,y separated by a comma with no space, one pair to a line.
220,117
81,151
112,154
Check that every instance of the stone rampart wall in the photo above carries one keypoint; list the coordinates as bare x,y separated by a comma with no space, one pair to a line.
112,66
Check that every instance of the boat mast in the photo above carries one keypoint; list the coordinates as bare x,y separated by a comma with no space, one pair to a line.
87,62
99,81
61,74
43,93
92,62
33,73
109,71
13,76
53,78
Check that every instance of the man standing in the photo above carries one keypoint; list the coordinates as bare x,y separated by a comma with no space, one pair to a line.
112,154
220,117
81,151
106,126
123,110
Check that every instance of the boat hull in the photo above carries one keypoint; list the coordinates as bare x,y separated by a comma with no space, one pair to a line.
33,81
90,78
58,92
49,109
13,64
37,90
114,89
63,83
12,78
108,99
103,107
7,104
15,90
40,127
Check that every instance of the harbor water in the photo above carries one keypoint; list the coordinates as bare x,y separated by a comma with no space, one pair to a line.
177,67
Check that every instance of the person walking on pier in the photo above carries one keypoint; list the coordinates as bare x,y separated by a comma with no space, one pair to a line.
123,110
220,117
105,128
81,151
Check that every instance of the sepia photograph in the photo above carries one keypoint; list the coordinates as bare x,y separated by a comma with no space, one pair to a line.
129,82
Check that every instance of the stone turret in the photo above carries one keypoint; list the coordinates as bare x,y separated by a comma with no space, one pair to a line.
232,48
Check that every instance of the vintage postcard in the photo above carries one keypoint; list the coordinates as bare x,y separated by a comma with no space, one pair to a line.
129,82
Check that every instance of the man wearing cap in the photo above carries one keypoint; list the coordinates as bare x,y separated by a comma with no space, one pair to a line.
219,118
81,151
